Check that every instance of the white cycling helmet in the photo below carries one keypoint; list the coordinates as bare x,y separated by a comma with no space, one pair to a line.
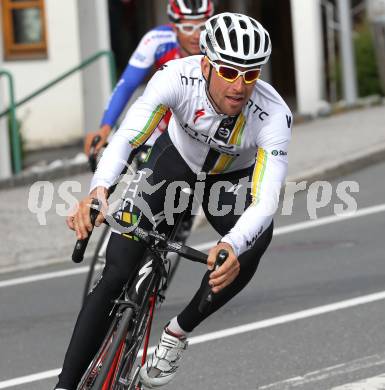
189,9
235,39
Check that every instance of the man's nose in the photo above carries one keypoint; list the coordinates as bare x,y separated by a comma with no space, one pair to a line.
197,34
239,84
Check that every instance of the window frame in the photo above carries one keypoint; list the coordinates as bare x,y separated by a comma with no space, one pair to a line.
22,51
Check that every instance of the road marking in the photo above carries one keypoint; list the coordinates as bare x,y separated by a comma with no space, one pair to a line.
331,219
330,372
29,378
207,245
253,326
375,383
45,276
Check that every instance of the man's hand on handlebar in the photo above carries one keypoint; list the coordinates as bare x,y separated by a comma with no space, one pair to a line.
103,133
227,272
80,220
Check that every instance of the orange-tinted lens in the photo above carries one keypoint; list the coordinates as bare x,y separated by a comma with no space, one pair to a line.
228,73
252,75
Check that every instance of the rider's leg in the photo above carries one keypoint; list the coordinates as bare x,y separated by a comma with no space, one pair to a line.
190,317
161,367
94,319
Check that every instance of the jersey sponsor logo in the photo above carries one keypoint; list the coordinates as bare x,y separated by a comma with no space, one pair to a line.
225,128
289,120
257,110
255,238
211,141
278,153
198,114
190,80
145,271
224,133
157,37
140,57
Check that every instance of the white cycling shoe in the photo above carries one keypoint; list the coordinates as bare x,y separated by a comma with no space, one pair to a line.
161,367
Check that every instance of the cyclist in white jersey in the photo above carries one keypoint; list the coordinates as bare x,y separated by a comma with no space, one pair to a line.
227,126
177,39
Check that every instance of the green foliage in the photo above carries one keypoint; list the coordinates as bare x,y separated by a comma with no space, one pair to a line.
367,73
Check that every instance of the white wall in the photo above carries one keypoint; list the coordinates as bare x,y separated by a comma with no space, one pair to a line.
56,117
308,55
94,36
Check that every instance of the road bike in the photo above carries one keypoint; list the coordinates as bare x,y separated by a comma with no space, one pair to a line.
116,365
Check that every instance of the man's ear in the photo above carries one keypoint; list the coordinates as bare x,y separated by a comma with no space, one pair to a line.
205,66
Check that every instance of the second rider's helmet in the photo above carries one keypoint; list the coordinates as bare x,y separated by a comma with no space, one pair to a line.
189,9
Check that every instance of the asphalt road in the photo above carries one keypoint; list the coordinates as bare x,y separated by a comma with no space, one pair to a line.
296,339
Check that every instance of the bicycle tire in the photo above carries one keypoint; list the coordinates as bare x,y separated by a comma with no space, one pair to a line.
124,347
135,338
92,371
98,259
130,352
118,338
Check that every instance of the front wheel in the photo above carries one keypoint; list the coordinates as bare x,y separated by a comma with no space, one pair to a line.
97,262
101,373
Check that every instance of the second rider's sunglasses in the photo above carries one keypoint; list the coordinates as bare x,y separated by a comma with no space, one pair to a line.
190,28
231,74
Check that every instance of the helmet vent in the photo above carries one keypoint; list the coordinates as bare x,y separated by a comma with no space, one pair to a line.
233,40
254,23
266,42
257,40
209,44
243,24
246,45
219,39
227,21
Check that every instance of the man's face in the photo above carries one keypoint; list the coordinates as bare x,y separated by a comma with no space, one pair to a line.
188,33
229,97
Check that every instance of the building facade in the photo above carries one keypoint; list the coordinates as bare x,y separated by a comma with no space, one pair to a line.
40,39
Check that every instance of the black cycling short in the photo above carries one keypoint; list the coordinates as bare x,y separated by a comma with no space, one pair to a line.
124,253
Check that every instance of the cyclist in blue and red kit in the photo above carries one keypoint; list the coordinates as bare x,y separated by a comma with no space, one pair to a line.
179,38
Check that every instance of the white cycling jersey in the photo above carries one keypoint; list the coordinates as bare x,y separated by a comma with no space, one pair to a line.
211,142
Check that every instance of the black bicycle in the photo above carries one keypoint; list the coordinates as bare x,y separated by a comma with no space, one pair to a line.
115,366
98,260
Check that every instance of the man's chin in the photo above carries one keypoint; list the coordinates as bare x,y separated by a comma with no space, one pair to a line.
232,108
194,50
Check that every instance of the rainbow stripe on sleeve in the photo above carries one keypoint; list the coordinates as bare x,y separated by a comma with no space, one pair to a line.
258,174
153,122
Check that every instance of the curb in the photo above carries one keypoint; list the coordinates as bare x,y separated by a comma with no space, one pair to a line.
26,178
355,162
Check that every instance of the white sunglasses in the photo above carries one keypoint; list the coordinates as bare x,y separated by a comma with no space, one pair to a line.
190,28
